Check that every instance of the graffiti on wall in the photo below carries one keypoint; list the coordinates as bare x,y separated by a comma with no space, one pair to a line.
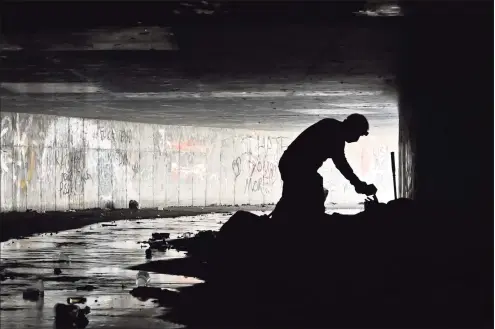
261,173
117,169
117,136
18,130
74,173
258,163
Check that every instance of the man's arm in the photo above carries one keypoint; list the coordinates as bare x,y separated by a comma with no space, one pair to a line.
345,169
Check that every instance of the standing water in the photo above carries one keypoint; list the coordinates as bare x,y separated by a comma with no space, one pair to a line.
99,257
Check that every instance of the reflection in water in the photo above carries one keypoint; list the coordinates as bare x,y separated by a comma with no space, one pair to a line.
99,256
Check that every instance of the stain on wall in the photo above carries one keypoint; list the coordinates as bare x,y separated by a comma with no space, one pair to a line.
59,163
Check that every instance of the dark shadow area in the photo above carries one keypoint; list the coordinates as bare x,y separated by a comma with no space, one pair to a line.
421,261
391,266
16,225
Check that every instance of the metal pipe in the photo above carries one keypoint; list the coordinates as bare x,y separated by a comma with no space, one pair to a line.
392,158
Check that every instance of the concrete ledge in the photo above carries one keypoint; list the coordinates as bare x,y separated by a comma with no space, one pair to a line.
14,225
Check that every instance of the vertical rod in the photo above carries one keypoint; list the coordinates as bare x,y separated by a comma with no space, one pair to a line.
392,159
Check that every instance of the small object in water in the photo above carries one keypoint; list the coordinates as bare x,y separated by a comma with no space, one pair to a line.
57,271
69,316
142,279
160,236
162,295
34,293
148,253
76,300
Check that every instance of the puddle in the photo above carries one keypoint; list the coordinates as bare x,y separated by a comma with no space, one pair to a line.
99,256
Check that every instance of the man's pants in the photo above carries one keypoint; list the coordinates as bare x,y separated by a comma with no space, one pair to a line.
302,195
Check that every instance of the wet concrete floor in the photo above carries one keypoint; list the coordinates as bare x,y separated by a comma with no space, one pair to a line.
99,255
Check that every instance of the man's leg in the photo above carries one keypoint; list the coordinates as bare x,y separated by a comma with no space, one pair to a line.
317,194
283,207
301,196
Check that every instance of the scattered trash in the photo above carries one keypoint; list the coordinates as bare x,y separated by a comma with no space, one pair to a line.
159,236
76,300
69,316
31,294
34,293
164,296
133,204
57,271
142,279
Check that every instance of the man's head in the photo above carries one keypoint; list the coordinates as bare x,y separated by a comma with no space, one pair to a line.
355,126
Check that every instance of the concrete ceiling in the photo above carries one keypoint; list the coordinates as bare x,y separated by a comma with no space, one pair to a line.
255,76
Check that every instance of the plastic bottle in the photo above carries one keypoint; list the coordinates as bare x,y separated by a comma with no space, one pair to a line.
142,279
76,300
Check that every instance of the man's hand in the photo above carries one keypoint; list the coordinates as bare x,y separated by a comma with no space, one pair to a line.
363,188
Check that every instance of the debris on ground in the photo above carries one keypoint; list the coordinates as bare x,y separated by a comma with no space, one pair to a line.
199,245
16,225
70,316
188,266
148,253
34,293
133,204
57,271
369,264
160,236
76,300
164,296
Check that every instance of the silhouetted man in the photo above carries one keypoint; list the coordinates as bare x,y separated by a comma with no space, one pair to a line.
303,192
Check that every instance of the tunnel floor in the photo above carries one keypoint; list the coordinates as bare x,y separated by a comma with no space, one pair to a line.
99,255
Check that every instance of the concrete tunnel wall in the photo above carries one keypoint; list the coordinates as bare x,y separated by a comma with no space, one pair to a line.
60,163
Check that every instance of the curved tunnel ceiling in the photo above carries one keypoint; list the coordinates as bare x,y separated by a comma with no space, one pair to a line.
257,76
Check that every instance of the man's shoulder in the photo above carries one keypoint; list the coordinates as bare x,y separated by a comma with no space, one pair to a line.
330,121
329,124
